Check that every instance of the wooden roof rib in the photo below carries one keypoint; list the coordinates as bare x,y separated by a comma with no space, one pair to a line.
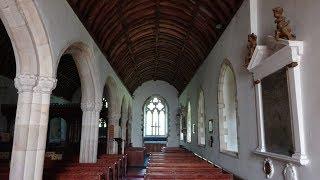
155,39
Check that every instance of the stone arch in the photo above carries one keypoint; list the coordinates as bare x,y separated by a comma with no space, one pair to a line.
123,121
129,125
113,108
29,39
34,72
91,99
114,113
124,111
91,91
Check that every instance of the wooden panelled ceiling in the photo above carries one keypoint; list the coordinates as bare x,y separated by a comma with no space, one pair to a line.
155,39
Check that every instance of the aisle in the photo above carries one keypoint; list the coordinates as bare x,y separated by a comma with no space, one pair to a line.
137,173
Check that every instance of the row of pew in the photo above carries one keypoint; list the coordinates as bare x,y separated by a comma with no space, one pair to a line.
108,167
4,169
178,163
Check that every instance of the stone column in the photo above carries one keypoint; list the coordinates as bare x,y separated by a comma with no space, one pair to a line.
113,129
89,132
31,124
124,133
41,102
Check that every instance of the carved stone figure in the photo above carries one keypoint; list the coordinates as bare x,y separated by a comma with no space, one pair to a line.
283,28
252,44
289,172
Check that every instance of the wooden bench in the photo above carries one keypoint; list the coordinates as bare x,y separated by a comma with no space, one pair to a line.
4,170
176,163
108,167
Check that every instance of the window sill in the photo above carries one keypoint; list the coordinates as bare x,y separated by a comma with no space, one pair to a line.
296,159
230,153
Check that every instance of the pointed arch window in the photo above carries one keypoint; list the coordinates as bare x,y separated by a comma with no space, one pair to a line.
155,117
189,128
227,103
201,120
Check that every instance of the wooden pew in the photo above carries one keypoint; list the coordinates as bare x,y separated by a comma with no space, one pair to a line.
110,167
4,170
175,163
123,163
77,176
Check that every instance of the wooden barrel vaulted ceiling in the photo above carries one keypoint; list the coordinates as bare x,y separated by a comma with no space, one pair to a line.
155,39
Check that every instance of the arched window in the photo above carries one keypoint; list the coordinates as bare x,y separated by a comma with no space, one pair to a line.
189,123
201,120
227,103
155,117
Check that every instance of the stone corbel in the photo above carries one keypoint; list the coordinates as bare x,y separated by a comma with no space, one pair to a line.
25,83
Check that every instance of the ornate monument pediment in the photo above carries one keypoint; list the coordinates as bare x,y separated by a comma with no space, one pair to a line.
269,58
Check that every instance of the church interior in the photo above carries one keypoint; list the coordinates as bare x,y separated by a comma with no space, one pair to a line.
159,89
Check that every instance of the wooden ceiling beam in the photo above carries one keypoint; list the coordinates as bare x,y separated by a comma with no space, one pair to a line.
157,37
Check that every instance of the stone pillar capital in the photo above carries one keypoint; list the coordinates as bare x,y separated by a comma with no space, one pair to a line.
45,85
114,118
25,82
91,106
98,106
87,106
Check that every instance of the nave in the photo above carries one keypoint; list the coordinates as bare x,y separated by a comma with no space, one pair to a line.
159,89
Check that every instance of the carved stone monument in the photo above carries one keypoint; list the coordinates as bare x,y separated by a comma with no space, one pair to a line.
290,172
252,44
284,30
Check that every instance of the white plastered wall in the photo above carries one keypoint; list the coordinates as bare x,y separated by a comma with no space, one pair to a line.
232,45
147,89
